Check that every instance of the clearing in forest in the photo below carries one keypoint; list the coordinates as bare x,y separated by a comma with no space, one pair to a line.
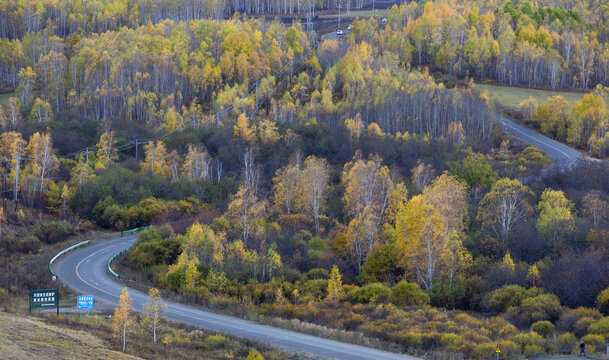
511,96
4,98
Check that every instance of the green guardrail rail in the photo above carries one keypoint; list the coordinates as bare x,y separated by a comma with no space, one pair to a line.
112,272
134,230
87,242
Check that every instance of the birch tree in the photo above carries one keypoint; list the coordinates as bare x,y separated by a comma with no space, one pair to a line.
157,159
41,111
14,113
286,183
197,163
106,149
504,207
123,316
245,206
12,147
420,239
449,197
153,310
40,150
595,208
313,184
367,189
422,175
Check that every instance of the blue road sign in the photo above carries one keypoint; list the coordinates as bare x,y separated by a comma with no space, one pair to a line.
85,302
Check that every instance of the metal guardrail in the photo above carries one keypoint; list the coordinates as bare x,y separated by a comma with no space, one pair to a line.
134,230
87,242
601,352
112,272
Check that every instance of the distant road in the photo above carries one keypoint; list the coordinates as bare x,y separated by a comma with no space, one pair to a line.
85,271
564,156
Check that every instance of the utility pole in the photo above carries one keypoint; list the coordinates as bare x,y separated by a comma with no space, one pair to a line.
339,6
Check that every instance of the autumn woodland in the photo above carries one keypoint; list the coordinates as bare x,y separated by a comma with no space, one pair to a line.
357,183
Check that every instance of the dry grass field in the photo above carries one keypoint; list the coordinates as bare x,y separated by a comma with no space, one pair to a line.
511,97
30,338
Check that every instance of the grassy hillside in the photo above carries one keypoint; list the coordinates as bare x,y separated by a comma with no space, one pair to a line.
23,338
512,96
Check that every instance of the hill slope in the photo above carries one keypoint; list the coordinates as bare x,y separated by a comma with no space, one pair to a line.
23,338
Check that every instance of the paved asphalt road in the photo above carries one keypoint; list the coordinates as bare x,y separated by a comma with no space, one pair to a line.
563,155
85,271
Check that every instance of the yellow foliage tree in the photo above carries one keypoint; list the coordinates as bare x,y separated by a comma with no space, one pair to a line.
267,130
123,316
356,127
375,130
335,284
12,148
153,310
243,129
156,161
285,183
40,150
106,150
533,276
420,239
508,263
313,183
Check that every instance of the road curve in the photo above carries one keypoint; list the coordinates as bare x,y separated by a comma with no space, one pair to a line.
564,156
85,271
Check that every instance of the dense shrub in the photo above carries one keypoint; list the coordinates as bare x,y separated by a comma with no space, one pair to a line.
541,307
374,292
544,327
505,297
176,279
10,244
316,289
408,294
578,320
566,342
533,350
448,295
108,213
216,341
582,325
524,340
593,340
53,232
30,244
602,301
153,249
316,274
600,327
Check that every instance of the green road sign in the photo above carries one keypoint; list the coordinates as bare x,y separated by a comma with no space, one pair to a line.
44,299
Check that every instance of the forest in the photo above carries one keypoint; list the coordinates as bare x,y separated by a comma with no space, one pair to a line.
356,184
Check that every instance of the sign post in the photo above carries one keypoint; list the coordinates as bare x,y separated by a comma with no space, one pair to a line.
84,302
497,352
44,298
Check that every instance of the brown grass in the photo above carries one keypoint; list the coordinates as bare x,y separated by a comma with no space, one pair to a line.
23,338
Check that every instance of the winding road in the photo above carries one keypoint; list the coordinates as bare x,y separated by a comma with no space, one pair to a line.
563,156
85,271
